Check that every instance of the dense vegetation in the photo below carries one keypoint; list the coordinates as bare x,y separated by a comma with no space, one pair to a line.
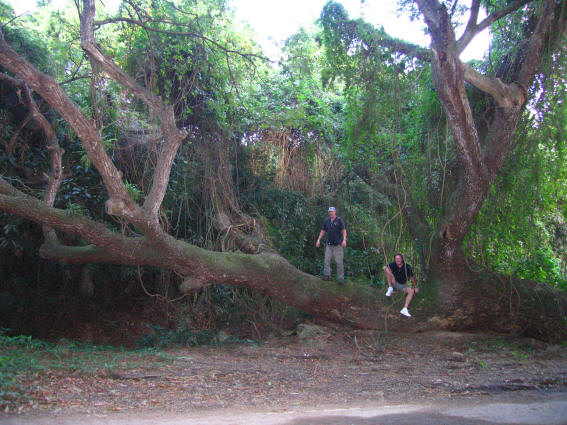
342,119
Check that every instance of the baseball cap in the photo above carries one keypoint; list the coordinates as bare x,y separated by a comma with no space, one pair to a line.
332,209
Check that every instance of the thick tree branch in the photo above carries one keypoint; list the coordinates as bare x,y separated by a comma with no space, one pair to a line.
478,165
267,272
473,17
18,203
120,202
448,79
535,45
405,48
55,151
501,132
172,135
106,246
55,154
85,129
504,95
473,29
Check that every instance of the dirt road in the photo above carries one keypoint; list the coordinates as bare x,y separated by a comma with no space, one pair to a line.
331,378
524,407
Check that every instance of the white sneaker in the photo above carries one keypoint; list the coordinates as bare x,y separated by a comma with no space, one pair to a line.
405,312
389,291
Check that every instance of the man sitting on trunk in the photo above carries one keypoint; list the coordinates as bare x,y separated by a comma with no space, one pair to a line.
397,275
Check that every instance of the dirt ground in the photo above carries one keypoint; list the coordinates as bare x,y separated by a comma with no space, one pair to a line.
332,367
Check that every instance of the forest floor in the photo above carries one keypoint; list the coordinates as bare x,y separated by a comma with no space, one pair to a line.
330,368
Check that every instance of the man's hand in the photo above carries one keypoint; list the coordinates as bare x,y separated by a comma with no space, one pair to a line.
344,243
317,244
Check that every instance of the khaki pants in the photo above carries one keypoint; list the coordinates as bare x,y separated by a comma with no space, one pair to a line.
335,251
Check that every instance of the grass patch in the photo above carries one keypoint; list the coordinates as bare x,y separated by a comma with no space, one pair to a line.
168,338
517,350
517,347
22,357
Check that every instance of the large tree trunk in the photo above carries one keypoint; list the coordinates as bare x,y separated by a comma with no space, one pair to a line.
465,293
267,272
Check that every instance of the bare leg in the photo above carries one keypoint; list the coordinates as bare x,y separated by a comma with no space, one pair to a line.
389,276
409,296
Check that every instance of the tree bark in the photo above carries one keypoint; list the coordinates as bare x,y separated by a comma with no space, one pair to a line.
479,160
267,271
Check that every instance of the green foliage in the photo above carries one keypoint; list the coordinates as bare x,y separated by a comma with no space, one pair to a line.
167,338
542,266
396,133
22,356
292,223
77,209
133,191
523,232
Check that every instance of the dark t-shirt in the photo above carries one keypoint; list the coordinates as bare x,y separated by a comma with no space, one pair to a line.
402,274
334,230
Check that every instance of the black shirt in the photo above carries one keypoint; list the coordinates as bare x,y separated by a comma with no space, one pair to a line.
334,230
402,274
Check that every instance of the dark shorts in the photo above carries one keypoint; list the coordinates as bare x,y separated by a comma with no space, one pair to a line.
399,286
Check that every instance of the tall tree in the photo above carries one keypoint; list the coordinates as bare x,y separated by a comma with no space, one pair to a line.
480,147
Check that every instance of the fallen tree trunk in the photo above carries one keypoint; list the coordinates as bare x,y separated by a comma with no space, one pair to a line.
486,301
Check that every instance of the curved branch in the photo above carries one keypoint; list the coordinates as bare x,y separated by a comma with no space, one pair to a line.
447,75
47,87
55,151
270,273
473,18
505,95
535,45
18,203
405,48
473,29
172,135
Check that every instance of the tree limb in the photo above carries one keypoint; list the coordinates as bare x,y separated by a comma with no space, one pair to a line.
504,95
172,135
47,87
535,45
268,272
405,48
500,134
473,29
55,151
473,18
448,79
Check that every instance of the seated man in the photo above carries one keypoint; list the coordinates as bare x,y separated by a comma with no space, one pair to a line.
397,274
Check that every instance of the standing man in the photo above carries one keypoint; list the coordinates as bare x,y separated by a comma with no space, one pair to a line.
336,241
397,275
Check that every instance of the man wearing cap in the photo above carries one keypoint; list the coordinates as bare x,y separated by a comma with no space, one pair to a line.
336,241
